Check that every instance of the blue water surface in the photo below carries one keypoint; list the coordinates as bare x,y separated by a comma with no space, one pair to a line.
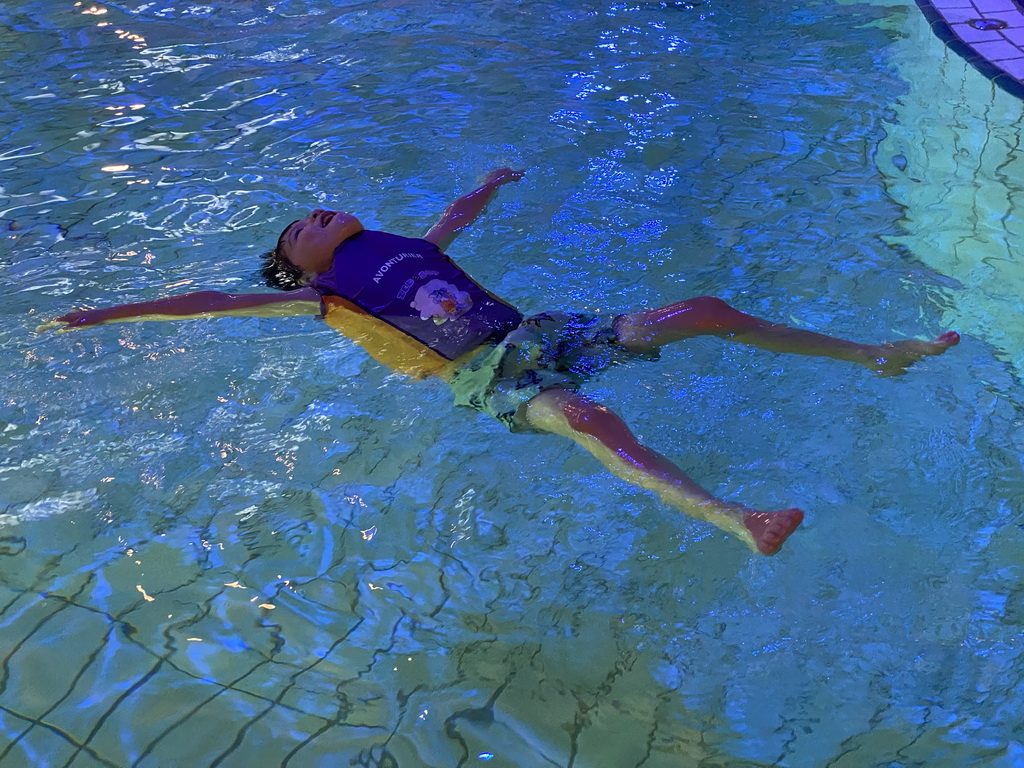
244,542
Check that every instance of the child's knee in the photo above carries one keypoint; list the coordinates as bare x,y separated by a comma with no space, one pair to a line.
713,313
709,304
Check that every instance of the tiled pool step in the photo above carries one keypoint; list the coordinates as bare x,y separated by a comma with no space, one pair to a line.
988,33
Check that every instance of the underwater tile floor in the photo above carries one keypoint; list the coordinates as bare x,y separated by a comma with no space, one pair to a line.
988,33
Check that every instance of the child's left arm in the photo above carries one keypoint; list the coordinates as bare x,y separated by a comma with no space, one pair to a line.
467,208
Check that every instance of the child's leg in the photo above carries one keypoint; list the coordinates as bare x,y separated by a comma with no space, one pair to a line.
707,315
607,437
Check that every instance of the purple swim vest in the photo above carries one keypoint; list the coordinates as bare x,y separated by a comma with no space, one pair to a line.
412,285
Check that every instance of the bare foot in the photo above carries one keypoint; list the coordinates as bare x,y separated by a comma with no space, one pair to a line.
894,357
770,529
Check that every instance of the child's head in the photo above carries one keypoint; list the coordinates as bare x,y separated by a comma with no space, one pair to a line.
306,248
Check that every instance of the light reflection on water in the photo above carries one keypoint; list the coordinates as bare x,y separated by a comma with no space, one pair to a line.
512,600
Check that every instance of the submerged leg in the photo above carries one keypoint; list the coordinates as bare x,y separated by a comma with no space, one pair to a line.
707,315
607,437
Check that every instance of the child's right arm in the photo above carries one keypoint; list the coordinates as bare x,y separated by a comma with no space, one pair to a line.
467,208
305,301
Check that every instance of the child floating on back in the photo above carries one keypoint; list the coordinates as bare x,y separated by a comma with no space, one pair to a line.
404,298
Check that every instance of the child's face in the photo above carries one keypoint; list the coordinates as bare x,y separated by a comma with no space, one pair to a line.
309,243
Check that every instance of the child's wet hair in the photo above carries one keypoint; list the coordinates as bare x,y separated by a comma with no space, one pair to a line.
277,271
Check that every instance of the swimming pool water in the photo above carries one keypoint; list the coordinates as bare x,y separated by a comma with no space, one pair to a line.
242,542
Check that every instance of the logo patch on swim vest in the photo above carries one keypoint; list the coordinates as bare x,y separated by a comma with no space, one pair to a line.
441,301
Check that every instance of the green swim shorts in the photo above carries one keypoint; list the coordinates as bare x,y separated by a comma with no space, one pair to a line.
552,350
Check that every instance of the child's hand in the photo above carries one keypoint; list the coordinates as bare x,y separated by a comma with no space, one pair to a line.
80,318
502,176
